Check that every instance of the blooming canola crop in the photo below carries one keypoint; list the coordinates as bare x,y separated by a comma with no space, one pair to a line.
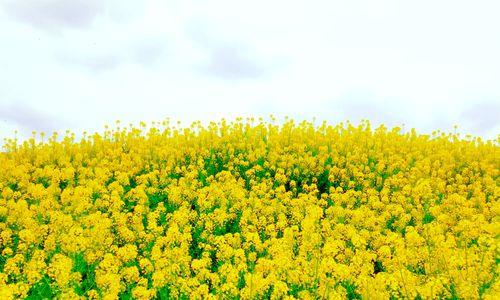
249,210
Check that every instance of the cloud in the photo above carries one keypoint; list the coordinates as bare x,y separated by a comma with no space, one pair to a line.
54,14
95,63
364,104
144,52
148,52
483,117
28,119
184,60
229,55
232,63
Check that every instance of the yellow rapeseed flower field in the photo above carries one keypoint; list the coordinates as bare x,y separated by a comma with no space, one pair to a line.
250,209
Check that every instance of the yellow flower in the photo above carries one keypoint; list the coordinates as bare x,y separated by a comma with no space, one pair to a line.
59,269
250,209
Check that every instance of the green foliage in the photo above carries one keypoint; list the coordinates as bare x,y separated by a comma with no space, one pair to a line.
418,269
378,267
241,280
215,263
41,290
63,184
129,205
453,292
350,288
88,274
3,259
163,293
390,223
154,199
428,218
195,250
127,294
486,286
324,183
294,290
45,181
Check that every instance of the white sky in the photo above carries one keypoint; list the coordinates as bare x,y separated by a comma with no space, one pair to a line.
80,64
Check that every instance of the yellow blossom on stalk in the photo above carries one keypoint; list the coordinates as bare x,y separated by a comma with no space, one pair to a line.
127,253
252,210
59,269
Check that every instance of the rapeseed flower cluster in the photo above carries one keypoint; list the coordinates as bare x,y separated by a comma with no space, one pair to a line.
248,210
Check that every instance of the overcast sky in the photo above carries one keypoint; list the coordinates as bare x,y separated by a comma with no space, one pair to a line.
81,64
